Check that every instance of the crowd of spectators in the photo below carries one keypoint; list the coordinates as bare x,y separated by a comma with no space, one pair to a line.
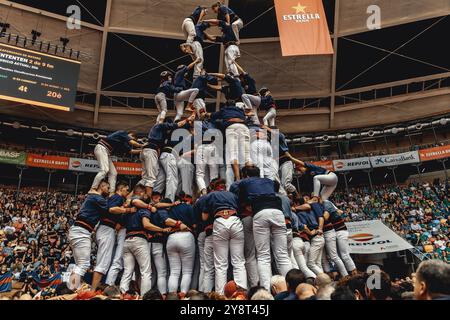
34,247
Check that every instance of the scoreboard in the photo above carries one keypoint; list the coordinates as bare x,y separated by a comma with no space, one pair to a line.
38,78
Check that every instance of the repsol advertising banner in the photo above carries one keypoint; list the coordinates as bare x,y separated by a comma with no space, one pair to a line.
369,237
88,165
351,164
12,157
395,159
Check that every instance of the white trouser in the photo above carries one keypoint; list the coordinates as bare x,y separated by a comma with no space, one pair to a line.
232,53
238,144
136,248
201,256
252,103
315,254
269,118
179,98
343,248
188,28
299,250
106,238
80,241
251,264
269,227
205,158
328,182
228,238
150,167
161,104
117,262
167,175
107,168
159,259
307,245
237,26
186,176
286,173
200,106
331,251
181,253
208,257
197,51
290,247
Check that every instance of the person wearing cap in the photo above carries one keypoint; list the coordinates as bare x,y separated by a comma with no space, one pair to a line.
80,233
228,235
269,226
187,93
157,137
117,143
190,22
165,90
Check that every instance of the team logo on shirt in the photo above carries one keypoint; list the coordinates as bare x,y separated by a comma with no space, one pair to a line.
301,15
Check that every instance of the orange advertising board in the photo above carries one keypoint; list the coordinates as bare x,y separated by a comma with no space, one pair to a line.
45,161
440,152
303,27
128,168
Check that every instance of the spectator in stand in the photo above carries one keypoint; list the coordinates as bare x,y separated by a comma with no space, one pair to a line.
432,281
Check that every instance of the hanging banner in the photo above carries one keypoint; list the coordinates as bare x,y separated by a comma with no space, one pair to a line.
328,164
45,161
368,237
83,165
351,164
395,159
440,152
12,157
303,27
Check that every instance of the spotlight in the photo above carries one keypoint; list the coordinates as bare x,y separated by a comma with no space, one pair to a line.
303,139
16,125
443,121
394,130
325,138
348,136
70,132
43,128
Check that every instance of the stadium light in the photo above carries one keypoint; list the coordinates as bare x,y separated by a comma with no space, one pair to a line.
394,130
443,121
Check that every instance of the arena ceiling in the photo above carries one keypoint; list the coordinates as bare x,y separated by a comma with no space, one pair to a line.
398,73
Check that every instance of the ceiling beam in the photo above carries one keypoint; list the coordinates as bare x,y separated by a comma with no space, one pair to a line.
102,60
47,14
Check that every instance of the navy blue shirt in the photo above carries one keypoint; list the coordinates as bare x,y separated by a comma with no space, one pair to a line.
158,219
309,219
195,16
133,222
220,118
297,225
116,200
160,132
318,209
201,83
267,102
221,200
249,189
185,213
199,208
223,11
117,142
179,80
283,144
168,89
227,34
200,31
234,90
315,170
93,207
249,84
